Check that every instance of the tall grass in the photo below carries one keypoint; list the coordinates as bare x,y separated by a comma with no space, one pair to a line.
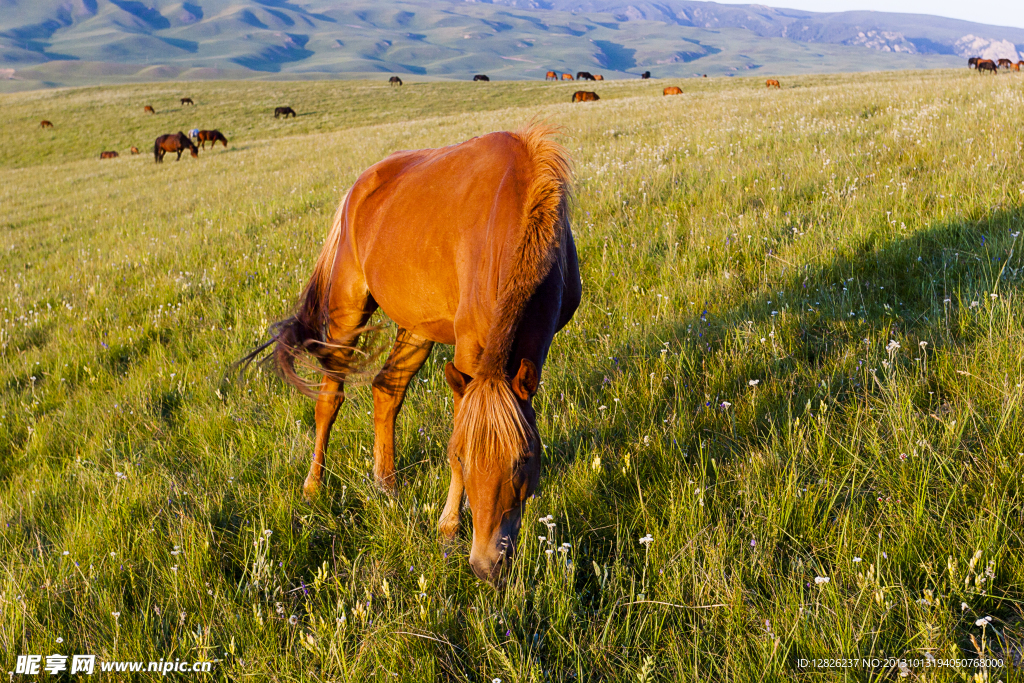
798,358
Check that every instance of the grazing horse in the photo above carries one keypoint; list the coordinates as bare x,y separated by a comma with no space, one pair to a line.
645,75
551,76
108,155
134,149
285,112
211,136
480,77
772,83
488,264
1016,67
148,110
584,76
972,62
672,90
1004,63
395,80
567,77
187,100
584,96
598,77
987,65
177,142
45,124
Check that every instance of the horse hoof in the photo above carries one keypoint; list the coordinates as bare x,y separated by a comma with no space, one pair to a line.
310,490
448,529
386,484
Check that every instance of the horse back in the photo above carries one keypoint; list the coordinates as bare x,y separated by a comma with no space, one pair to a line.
437,222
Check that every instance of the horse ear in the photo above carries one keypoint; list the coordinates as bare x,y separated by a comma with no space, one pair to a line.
456,379
524,384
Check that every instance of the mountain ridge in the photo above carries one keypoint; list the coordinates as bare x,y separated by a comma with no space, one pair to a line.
514,39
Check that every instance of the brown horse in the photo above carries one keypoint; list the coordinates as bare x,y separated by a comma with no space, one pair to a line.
489,265
134,149
772,83
395,80
551,76
584,96
148,110
187,100
645,75
972,62
1004,63
987,65
45,124
598,77
284,111
176,142
584,76
108,155
567,77
1016,66
213,137
481,77
672,90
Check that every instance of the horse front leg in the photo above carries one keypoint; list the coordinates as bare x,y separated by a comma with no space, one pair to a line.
448,525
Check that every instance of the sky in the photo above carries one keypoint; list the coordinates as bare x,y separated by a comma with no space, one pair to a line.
996,12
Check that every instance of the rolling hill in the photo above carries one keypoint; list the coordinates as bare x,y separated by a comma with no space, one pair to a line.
65,42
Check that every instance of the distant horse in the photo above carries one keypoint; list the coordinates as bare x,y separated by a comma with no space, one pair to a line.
584,76
148,109
284,111
187,100
1004,63
395,80
480,77
645,75
488,264
134,150
772,83
987,65
551,76
972,62
598,77
108,155
567,77
211,136
45,124
584,96
672,90
176,142
1016,66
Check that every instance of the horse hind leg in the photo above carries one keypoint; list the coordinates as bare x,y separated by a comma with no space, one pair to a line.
389,387
335,361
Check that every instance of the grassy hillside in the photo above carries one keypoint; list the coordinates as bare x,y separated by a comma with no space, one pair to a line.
797,359
104,41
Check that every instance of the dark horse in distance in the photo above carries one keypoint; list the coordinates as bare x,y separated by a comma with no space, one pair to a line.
285,112
173,142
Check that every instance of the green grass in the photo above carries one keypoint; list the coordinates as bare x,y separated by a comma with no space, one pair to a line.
730,386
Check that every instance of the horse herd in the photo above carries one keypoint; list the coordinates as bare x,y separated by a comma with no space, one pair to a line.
180,142
993,65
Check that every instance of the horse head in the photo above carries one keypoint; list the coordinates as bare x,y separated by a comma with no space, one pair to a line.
496,448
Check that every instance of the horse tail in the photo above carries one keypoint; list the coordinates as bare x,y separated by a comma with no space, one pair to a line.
306,331
156,150
490,422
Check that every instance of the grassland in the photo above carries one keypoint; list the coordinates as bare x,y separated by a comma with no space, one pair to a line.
798,358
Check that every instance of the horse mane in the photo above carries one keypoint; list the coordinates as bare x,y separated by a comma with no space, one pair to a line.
490,422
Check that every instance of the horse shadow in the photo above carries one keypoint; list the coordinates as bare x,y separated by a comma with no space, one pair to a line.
882,287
